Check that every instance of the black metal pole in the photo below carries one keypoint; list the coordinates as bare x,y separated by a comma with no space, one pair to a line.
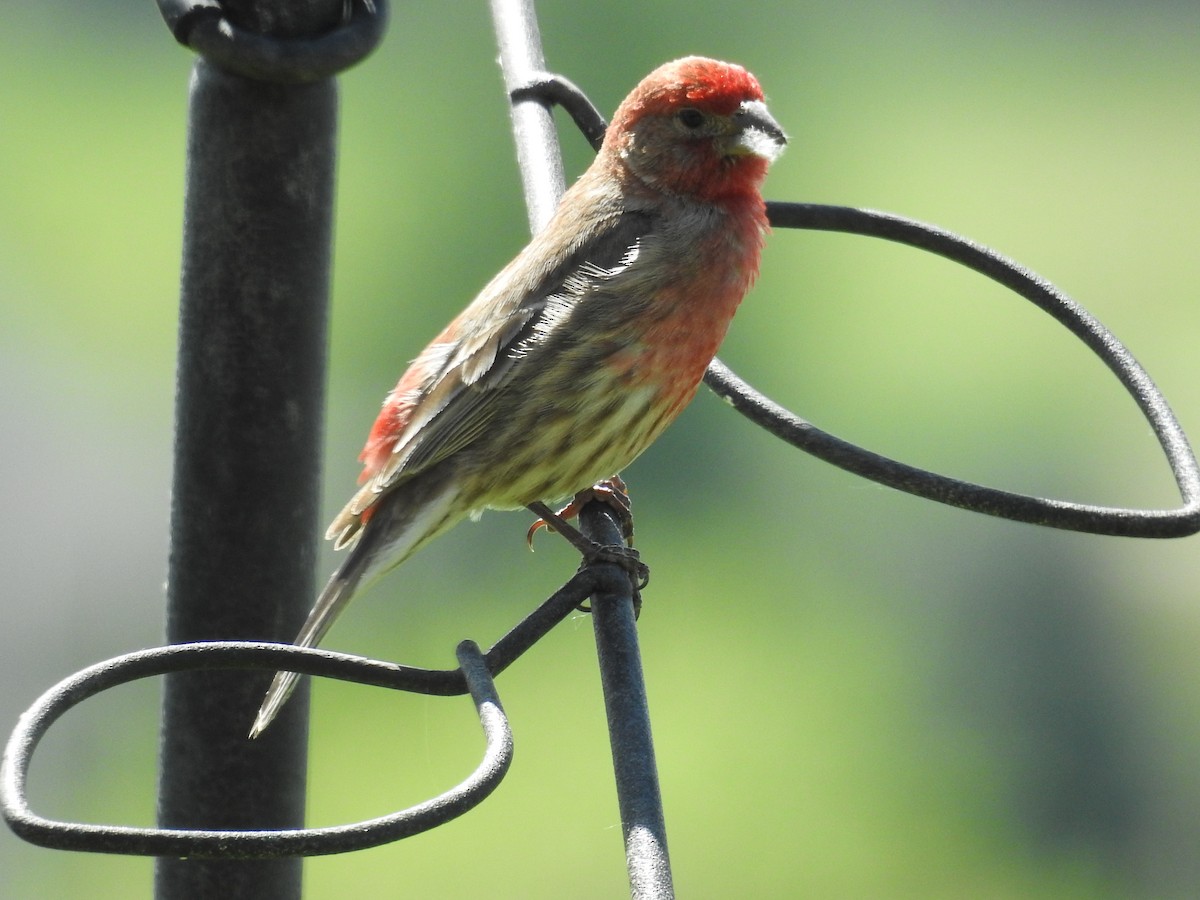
638,795
249,407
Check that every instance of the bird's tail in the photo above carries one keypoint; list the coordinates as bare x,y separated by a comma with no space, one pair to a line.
393,535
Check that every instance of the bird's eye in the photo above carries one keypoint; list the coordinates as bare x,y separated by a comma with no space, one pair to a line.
690,118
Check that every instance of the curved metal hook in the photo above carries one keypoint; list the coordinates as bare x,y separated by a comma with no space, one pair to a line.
1021,507
264,844
474,675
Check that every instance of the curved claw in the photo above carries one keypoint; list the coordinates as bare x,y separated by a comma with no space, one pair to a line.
611,491
534,529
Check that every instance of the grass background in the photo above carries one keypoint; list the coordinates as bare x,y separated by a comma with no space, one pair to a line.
855,693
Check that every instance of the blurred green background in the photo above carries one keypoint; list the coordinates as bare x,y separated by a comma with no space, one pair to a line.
855,693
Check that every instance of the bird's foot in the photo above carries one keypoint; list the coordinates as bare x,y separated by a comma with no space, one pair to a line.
612,492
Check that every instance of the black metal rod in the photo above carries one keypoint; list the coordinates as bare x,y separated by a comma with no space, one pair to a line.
638,795
249,408
522,63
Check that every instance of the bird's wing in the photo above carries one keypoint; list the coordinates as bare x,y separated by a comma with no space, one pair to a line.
448,396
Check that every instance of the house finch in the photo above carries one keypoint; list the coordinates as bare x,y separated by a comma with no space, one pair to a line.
577,355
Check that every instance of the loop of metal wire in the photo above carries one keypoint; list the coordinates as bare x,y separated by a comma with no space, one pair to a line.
474,676
781,422
204,26
1037,510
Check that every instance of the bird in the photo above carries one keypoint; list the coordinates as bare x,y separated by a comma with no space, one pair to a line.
577,354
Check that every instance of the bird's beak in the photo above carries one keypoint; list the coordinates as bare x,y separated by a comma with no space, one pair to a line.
758,134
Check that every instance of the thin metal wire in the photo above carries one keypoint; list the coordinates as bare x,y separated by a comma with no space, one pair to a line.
252,844
551,88
1037,510
474,675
